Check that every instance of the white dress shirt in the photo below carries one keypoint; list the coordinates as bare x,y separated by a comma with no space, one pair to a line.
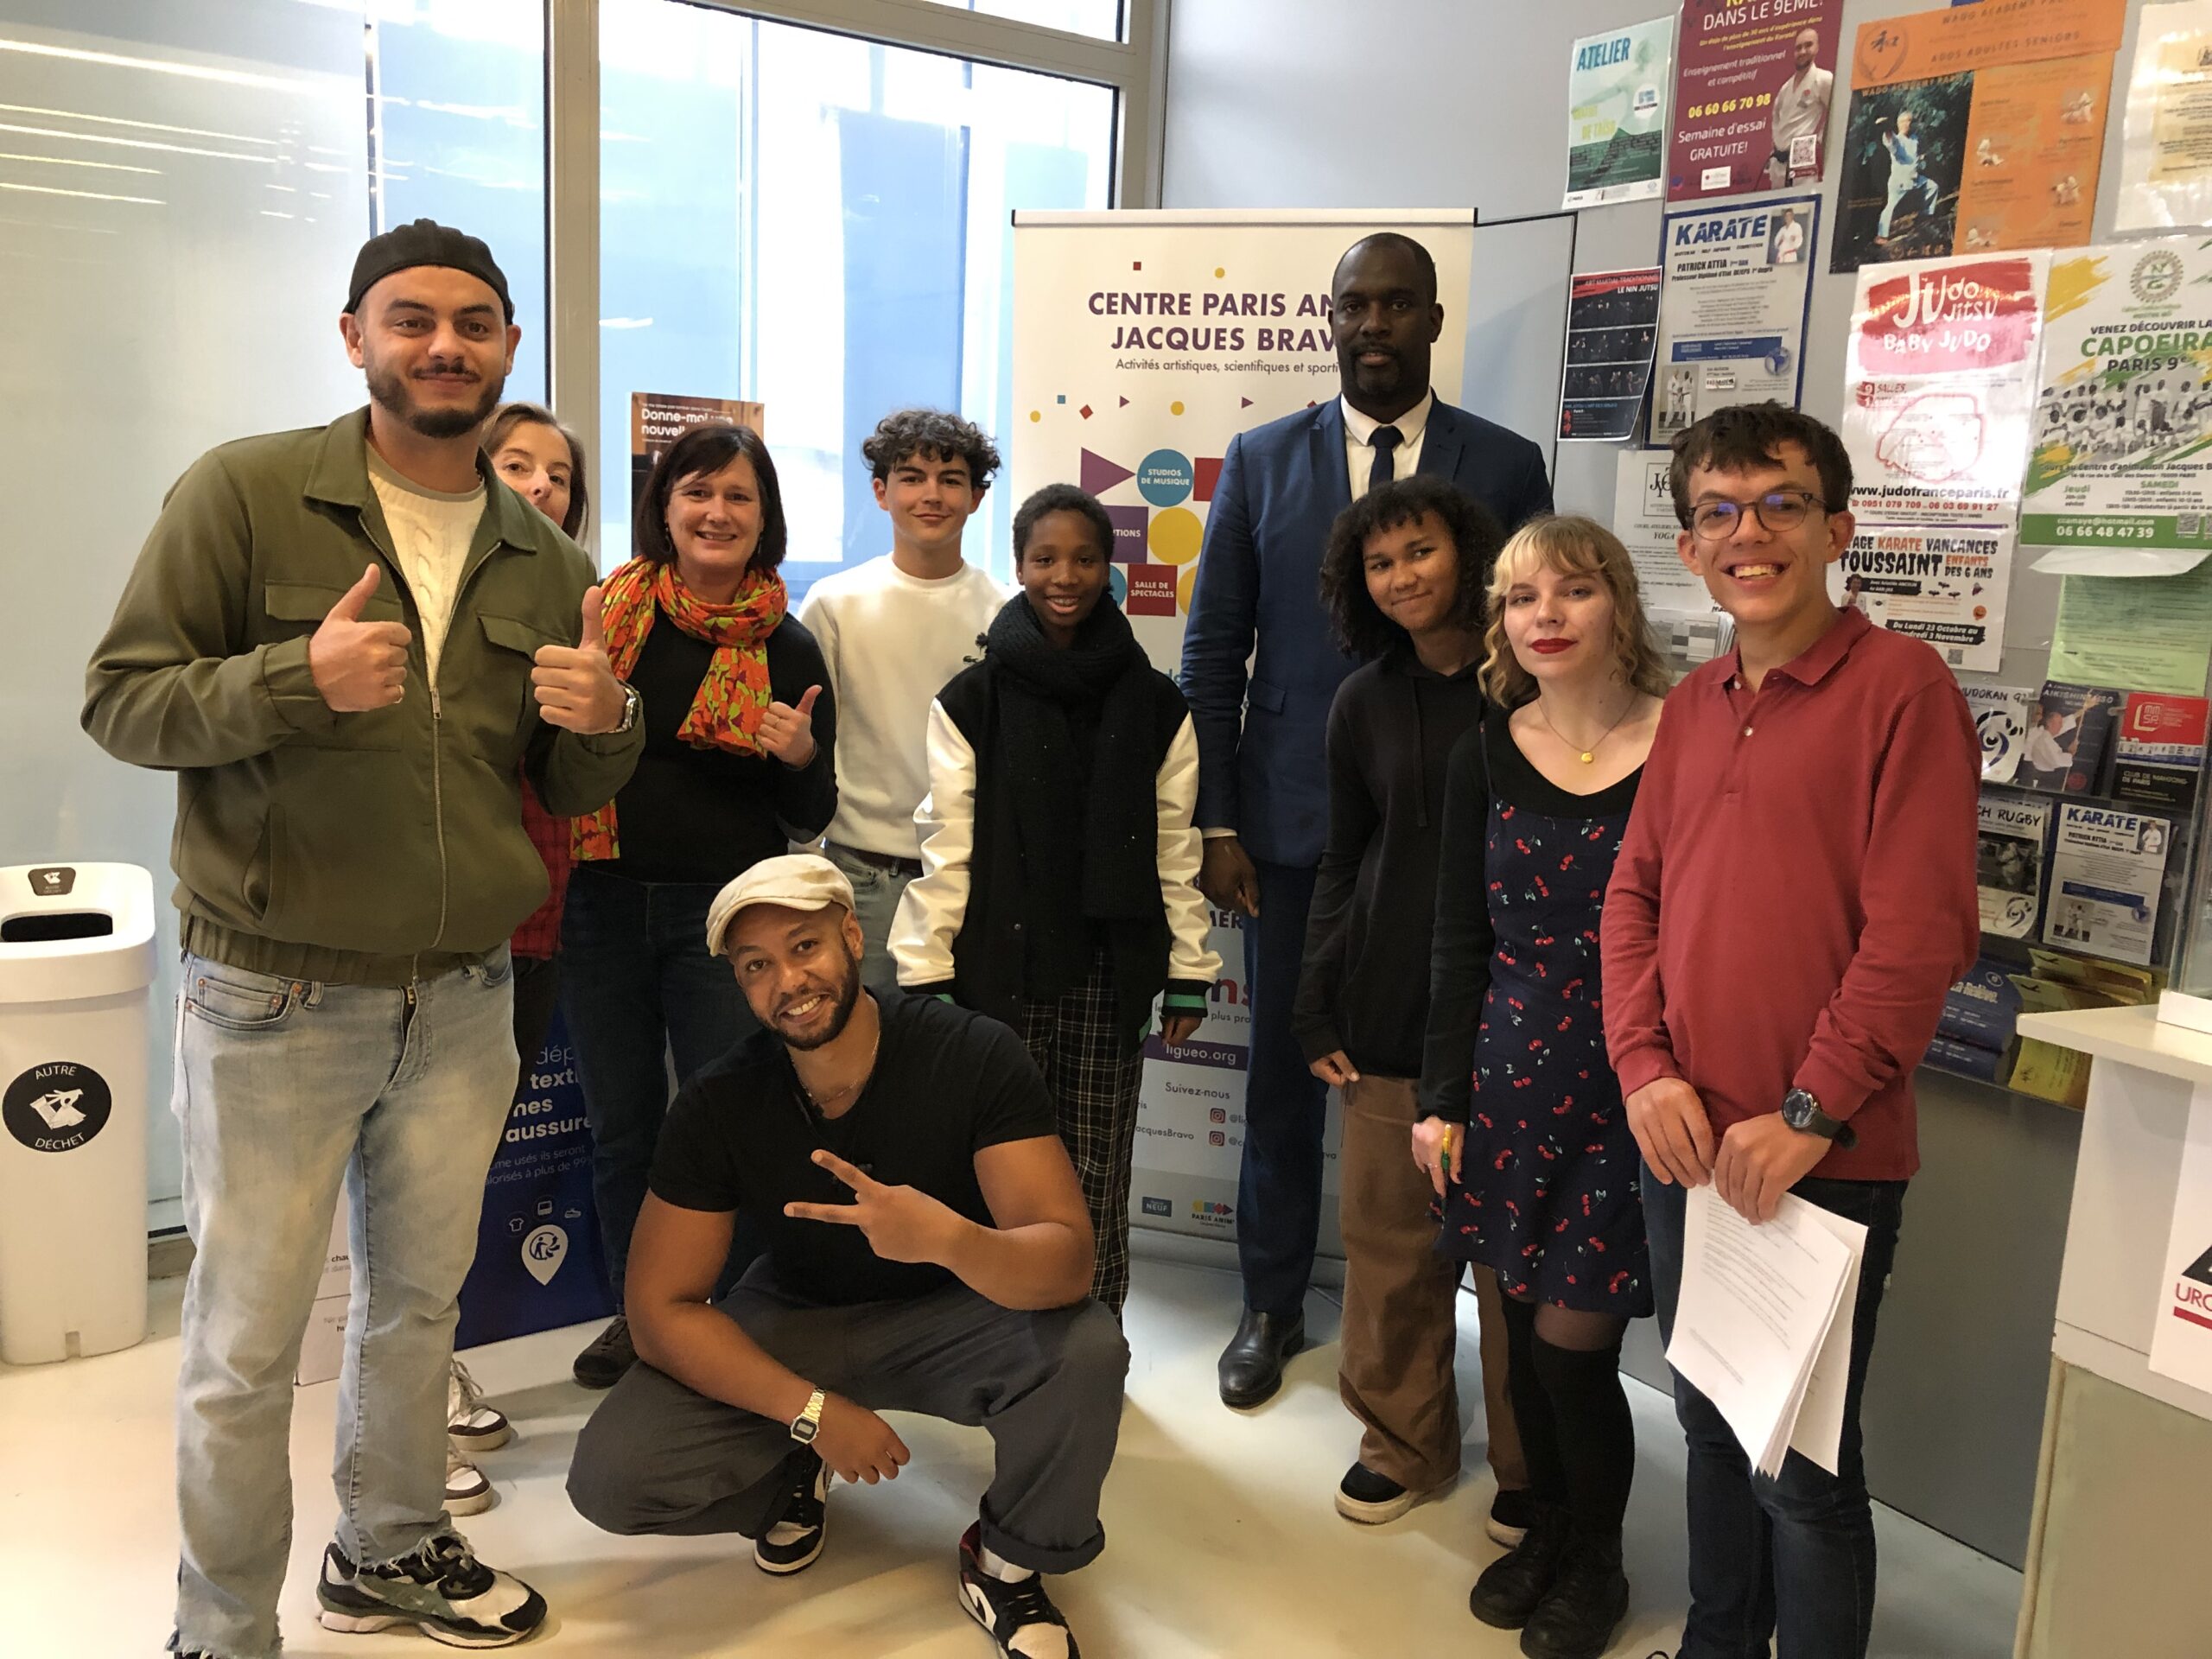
1359,438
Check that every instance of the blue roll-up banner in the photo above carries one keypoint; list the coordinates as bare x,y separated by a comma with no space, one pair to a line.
538,1262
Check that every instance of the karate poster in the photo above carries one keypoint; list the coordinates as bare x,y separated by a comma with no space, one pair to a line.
1612,321
1616,113
1975,128
1143,342
1943,583
2122,453
2181,1335
1732,309
1939,381
2166,169
1752,96
2107,868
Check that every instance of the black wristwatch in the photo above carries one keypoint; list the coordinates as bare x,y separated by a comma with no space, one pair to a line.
1800,1111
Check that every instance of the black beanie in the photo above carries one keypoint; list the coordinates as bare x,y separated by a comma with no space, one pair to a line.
425,242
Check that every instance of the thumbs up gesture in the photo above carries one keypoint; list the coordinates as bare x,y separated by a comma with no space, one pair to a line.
575,685
358,665
788,733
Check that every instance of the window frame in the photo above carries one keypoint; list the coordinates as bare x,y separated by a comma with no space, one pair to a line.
1134,69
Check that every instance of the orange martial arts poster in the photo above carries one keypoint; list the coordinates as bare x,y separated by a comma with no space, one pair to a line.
1975,128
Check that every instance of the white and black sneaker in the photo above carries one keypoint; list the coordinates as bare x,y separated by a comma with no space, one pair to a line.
1018,1615
441,1590
794,1539
471,1427
467,1491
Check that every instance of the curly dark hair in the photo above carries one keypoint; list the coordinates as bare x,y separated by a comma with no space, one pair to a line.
1361,628
934,434
1061,497
1746,436
708,449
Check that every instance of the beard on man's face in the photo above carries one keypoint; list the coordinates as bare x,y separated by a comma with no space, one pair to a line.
389,389
845,995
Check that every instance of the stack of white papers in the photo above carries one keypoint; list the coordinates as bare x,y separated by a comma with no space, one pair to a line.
1762,1325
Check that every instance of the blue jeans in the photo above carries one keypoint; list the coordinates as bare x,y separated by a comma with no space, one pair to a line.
876,894
636,986
1793,1556
286,1090
1286,1106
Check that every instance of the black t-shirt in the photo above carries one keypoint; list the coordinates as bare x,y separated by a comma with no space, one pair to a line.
947,1083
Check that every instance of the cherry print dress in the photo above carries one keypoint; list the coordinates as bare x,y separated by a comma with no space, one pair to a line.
1549,1196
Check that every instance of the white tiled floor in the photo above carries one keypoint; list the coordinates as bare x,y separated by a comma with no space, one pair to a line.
1222,1540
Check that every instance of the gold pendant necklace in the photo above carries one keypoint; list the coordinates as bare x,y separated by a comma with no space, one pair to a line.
1589,756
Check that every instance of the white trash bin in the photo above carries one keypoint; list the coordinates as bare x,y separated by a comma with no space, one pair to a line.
76,958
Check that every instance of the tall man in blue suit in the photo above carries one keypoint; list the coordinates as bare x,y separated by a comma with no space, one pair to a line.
1263,797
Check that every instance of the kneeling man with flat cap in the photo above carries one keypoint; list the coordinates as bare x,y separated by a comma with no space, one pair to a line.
928,1250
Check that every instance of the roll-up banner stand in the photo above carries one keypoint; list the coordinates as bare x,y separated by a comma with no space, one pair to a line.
1143,341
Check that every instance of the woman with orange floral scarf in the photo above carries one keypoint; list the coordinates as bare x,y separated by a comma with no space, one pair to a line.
737,766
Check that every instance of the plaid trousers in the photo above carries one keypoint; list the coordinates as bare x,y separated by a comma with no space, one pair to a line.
1094,1072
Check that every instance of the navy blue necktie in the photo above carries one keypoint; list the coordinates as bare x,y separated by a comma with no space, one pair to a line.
1384,442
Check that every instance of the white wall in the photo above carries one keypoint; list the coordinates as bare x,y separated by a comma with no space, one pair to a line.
1454,103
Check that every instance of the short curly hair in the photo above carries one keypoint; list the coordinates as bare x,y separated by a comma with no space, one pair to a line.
1061,497
935,434
1361,628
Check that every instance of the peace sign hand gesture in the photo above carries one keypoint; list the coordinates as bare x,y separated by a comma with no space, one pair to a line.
900,1222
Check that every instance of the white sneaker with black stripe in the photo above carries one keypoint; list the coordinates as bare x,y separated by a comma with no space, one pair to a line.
1017,1612
441,1589
467,1491
793,1541
471,1427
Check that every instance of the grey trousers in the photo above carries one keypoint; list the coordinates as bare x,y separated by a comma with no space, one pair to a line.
657,1457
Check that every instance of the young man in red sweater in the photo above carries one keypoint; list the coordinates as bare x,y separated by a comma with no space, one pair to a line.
1795,895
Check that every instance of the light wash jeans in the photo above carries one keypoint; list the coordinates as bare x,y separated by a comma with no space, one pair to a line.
876,894
286,1091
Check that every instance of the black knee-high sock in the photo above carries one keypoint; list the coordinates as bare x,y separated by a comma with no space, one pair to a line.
1532,1407
1596,1433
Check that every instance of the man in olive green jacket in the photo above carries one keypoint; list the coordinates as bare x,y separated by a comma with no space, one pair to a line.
347,643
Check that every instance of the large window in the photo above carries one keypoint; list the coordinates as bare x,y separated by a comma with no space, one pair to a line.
820,225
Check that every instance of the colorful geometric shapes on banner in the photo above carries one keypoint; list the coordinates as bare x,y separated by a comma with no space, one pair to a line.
1097,474
1207,471
1128,533
1151,590
1125,403
1164,478
1246,403
1117,585
1176,535
1183,583
1175,408
1085,412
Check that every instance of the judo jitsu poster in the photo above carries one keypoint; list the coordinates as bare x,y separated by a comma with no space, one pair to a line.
539,1264
1616,113
1975,128
1752,96
2122,453
1143,342
1732,309
1612,321
2166,169
1939,384
1942,584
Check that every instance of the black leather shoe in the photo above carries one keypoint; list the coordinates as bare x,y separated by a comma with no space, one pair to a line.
602,1364
1511,1587
1584,1606
1251,1366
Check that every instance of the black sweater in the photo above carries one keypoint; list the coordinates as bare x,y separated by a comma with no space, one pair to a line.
1363,988
707,815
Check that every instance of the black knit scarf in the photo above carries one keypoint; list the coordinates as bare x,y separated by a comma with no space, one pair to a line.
1038,776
